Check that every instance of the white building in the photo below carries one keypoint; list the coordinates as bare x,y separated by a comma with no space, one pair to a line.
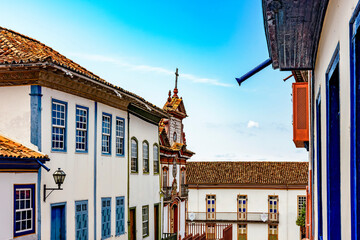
19,166
85,125
261,200
173,157
323,38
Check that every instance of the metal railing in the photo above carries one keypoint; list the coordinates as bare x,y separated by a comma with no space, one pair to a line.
184,190
167,193
169,236
233,217
213,231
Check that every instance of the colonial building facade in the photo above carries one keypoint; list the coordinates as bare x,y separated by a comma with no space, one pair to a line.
19,167
322,37
173,158
259,200
99,134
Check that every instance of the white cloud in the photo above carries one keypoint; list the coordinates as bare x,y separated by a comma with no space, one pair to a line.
253,124
147,68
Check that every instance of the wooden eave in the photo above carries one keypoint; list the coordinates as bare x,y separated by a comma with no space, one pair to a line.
292,30
54,77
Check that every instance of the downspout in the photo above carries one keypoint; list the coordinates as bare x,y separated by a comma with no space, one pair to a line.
35,138
95,164
128,172
252,72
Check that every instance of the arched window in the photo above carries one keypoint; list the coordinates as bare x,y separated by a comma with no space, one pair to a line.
165,177
156,158
134,155
145,157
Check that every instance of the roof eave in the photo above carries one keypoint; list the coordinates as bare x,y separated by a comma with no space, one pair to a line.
292,32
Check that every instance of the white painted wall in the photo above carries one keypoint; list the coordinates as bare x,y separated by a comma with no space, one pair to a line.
144,187
7,182
226,201
335,30
15,124
79,167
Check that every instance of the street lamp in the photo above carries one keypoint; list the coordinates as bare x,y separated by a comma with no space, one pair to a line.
59,177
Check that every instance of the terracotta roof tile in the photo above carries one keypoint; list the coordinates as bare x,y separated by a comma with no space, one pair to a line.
268,173
12,149
16,48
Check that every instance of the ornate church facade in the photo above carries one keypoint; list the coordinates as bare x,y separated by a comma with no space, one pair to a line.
173,157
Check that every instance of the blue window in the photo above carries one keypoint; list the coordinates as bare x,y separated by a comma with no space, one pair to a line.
355,122
333,148
120,216
106,134
24,209
82,114
81,220
58,114
120,136
105,217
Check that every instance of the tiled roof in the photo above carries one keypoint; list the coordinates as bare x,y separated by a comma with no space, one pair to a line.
16,48
12,149
247,173
175,105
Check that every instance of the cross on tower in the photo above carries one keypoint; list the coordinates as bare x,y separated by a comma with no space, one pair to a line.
176,79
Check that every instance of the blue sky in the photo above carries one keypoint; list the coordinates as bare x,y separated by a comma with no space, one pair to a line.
138,45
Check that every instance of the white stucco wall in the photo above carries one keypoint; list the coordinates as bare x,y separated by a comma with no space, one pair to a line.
15,124
7,182
335,30
144,187
226,201
79,167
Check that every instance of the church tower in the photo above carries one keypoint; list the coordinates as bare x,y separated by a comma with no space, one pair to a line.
173,157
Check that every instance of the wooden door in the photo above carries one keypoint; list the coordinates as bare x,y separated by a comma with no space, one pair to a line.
156,222
210,207
132,225
58,226
175,219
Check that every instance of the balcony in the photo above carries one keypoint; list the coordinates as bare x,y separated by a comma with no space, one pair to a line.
255,217
184,190
167,193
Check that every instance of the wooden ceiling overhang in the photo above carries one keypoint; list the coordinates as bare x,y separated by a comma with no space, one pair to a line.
292,29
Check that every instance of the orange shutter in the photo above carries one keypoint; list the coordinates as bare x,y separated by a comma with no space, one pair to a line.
300,113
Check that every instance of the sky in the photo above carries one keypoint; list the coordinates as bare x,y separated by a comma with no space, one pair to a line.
138,45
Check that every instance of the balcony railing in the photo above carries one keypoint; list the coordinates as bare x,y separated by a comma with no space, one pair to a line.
167,193
184,190
169,236
233,217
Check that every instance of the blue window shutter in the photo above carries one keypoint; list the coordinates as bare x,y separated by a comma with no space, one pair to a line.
81,218
106,218
120,216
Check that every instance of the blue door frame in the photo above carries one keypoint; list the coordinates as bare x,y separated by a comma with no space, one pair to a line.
319,168
58,221
333,148
355,118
